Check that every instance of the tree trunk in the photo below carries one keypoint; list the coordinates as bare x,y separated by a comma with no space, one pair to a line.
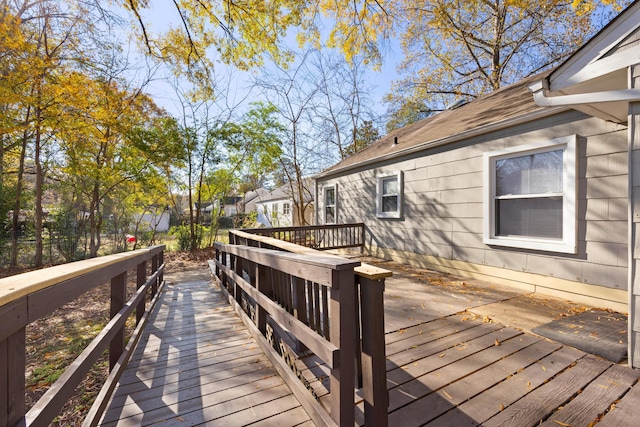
18,199
93,246
38,189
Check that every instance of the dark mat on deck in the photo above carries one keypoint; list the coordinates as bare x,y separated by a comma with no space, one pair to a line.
595,331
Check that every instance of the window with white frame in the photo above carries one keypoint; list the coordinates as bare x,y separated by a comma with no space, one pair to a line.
389,195
286,209
530,196
330,212
274,212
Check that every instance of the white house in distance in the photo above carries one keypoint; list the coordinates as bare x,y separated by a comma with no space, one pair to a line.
278,208
535,185
157,220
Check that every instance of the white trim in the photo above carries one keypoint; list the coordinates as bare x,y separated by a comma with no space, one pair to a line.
571,71
569,208
333,187
379,187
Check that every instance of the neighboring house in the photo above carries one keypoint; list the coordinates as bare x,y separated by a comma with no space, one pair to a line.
158,220
542,193
278,208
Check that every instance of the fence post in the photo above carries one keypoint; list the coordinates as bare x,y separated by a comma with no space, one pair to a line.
141,278
264,286
374,370
118,299
12,381
161,275
300,306
342,381
154,268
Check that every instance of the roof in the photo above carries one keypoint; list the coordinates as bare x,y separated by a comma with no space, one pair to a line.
497,110
599,70
607,51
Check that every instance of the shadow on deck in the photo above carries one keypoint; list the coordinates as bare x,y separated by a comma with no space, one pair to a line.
448,364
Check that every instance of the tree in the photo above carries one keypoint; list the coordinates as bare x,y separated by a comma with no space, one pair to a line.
366,135
342,104
460,49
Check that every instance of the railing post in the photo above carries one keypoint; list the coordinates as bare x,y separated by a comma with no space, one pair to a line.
154,268
237,268
219,259
12,381
342,307
141,278
161,275
118,299
374,370
264,286
300,306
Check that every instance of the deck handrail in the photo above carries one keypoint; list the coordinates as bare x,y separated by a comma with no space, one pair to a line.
27,297
274,291
320,237
370,346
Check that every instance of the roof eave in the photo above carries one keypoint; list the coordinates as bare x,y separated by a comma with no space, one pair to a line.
493,127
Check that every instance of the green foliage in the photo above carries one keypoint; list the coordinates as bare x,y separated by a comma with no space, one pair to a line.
183,233
366,135
225,222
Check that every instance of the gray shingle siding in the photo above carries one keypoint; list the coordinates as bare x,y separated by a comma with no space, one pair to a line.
443,202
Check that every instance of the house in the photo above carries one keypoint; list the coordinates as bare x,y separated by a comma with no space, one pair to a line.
280,207
535,185
154,219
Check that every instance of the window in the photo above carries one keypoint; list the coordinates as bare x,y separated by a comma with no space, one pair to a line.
389,196
530,196
286,209
274,212
330,214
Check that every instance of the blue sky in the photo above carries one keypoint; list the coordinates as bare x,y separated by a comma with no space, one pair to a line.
158,19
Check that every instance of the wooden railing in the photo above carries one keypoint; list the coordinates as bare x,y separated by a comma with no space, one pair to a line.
367,306
321,237
27,297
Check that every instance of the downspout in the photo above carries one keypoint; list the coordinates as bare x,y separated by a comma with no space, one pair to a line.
540,90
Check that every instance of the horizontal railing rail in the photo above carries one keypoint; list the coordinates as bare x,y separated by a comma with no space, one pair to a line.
321,237
369,322
27,297
309,297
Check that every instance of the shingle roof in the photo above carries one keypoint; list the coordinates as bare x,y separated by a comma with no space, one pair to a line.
502,105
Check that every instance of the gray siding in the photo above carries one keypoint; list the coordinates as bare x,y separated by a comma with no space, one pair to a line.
443,202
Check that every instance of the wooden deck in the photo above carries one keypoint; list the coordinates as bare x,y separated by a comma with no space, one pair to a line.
445,367
197,365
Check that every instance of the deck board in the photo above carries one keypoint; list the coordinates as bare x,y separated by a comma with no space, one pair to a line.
197,365
596,397
445,367
537,405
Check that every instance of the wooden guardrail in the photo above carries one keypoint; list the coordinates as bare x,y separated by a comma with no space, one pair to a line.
321,237
369,321
27,297
317,310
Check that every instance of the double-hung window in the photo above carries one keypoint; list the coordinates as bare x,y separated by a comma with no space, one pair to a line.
286,209
330,211
530,196
389,196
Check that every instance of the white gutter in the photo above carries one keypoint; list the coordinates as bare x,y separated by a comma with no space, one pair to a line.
540,92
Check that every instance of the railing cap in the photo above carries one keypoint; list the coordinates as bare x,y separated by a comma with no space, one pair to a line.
316,258
364,270
19,285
